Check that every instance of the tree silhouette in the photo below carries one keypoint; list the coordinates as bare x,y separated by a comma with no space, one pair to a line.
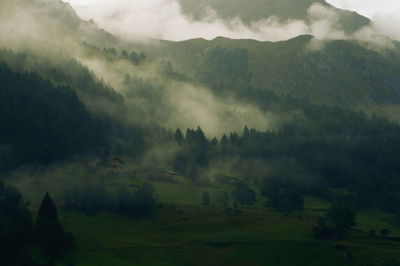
16,227
47,210
205,199
244,195
342,215
50,233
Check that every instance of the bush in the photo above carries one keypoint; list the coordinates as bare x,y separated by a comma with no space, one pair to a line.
138,203
223,179
90,199
342,215
244,195
322,230
205,199
282,195
288,200
93,199
389,202
385,232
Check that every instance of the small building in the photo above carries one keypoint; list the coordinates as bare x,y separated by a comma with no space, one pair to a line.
171,173
115,163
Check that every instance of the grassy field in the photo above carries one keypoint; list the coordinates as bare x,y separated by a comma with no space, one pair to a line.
197,236
183,232
189,235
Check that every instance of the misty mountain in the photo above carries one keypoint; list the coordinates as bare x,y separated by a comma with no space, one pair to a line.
69,72
53,17
251,11
48,39
340,72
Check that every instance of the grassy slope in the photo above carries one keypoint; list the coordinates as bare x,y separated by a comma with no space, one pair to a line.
185,233
197,236
192,235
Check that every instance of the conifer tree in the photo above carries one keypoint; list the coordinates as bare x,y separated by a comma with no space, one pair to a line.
47,210
179,136
50,233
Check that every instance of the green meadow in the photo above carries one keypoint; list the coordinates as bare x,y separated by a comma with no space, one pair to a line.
183,232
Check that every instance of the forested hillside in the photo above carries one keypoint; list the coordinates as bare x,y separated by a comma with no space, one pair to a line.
42,123
340,72
65,71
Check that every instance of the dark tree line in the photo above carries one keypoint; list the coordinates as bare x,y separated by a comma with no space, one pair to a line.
95,198
68,72
18,233
336,147
193,154
133,57
341,215
42,123
45,123
16,227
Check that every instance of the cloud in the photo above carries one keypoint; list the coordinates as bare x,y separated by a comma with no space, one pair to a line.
23,27
384,14
388,25
136,19
197,106
369,8
163,19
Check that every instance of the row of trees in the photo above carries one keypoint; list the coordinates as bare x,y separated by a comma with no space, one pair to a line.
327,147
341,215
134,57
279,198
95,198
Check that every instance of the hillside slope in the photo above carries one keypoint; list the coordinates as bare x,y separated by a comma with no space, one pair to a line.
341,72
255,10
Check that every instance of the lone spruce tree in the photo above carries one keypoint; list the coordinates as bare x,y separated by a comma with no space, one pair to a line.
50,233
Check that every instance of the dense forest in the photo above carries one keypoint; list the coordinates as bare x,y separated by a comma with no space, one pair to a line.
59,125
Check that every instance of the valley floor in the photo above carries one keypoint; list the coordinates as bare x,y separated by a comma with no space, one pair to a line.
183,232
188,235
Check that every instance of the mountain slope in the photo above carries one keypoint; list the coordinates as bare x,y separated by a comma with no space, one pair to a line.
47,38
44,123
54,18
254,10
341,72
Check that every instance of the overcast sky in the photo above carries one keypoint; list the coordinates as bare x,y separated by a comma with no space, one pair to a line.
370,8
163,19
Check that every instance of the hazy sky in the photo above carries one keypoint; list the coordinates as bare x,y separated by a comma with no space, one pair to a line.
163,19
370,8
384,13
